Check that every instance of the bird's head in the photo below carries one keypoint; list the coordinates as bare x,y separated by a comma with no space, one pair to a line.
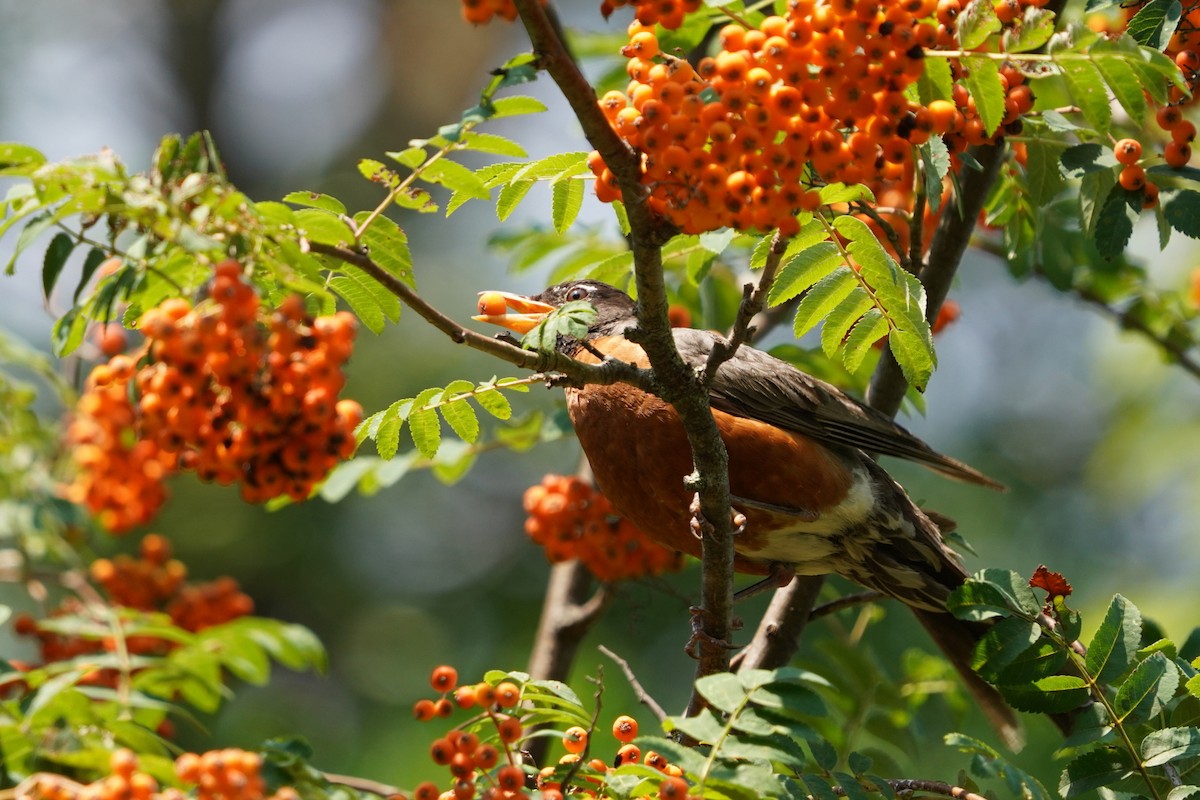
615,310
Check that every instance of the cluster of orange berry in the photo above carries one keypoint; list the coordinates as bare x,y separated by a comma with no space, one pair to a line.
229,774
668,13
727,144
494,761
152,582
224,389
570,519
480,12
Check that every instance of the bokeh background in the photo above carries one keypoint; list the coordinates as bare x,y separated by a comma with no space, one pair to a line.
1098,439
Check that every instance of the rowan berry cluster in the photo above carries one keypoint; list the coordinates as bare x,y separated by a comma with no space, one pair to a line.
668,13
225,389
229,774
480,12
483,753
153,582
814,97
570,519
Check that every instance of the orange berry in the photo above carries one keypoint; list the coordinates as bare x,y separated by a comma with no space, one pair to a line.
427,790
508,694
575,739
625,728
510,778
424,710
1177,154
441,751
443,707
444,678
1132,178
1127,151
509,728
673,789
627,754
464,697
486,756
492,304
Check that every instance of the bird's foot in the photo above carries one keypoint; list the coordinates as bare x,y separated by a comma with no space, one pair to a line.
692,648
700,525
780,576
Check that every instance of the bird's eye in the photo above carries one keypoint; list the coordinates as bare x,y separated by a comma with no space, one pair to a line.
577,293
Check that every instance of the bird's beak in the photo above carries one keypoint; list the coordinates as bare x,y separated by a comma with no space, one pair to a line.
512,311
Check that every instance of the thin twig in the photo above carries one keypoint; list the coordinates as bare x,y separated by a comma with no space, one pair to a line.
611,371
844,602
639,691
754,298
363,784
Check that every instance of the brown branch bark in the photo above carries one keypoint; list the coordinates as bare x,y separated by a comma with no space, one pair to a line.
679,384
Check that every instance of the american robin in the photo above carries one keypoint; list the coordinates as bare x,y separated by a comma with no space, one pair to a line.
801,469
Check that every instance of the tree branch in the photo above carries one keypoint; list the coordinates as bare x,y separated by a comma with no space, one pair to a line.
610,371
680,385
642,695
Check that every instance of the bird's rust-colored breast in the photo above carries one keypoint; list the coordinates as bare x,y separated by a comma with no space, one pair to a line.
640,456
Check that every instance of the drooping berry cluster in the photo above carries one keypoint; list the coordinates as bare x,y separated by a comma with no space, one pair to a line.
483,754
482,761
229,774
570,519
224,389
153,582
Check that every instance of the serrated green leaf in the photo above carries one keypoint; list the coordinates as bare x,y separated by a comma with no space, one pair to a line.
1042,173
1002,644
315,200
976,23
822,298
387,244
992,593
387,436
1087,90
460,416
318,225
1043,659
1147,689
1093,770
1114,225
1155,23
914,356
492,144
935,162
456,177
723,690
510,197
67,333
1031,31
936,82
866,332
704,727
1115,642
362,301
495,403
1170,744
566,200
798,273
983,82
833,193
1122,80
515,105
839,321
1056,694
1182,212
378,172
424,426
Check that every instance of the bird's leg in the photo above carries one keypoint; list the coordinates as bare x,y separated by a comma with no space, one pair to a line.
780,575
698,634
702,527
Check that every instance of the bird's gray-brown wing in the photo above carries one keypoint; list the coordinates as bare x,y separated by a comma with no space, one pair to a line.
755,384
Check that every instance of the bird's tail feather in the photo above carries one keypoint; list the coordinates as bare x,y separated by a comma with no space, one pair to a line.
957,640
